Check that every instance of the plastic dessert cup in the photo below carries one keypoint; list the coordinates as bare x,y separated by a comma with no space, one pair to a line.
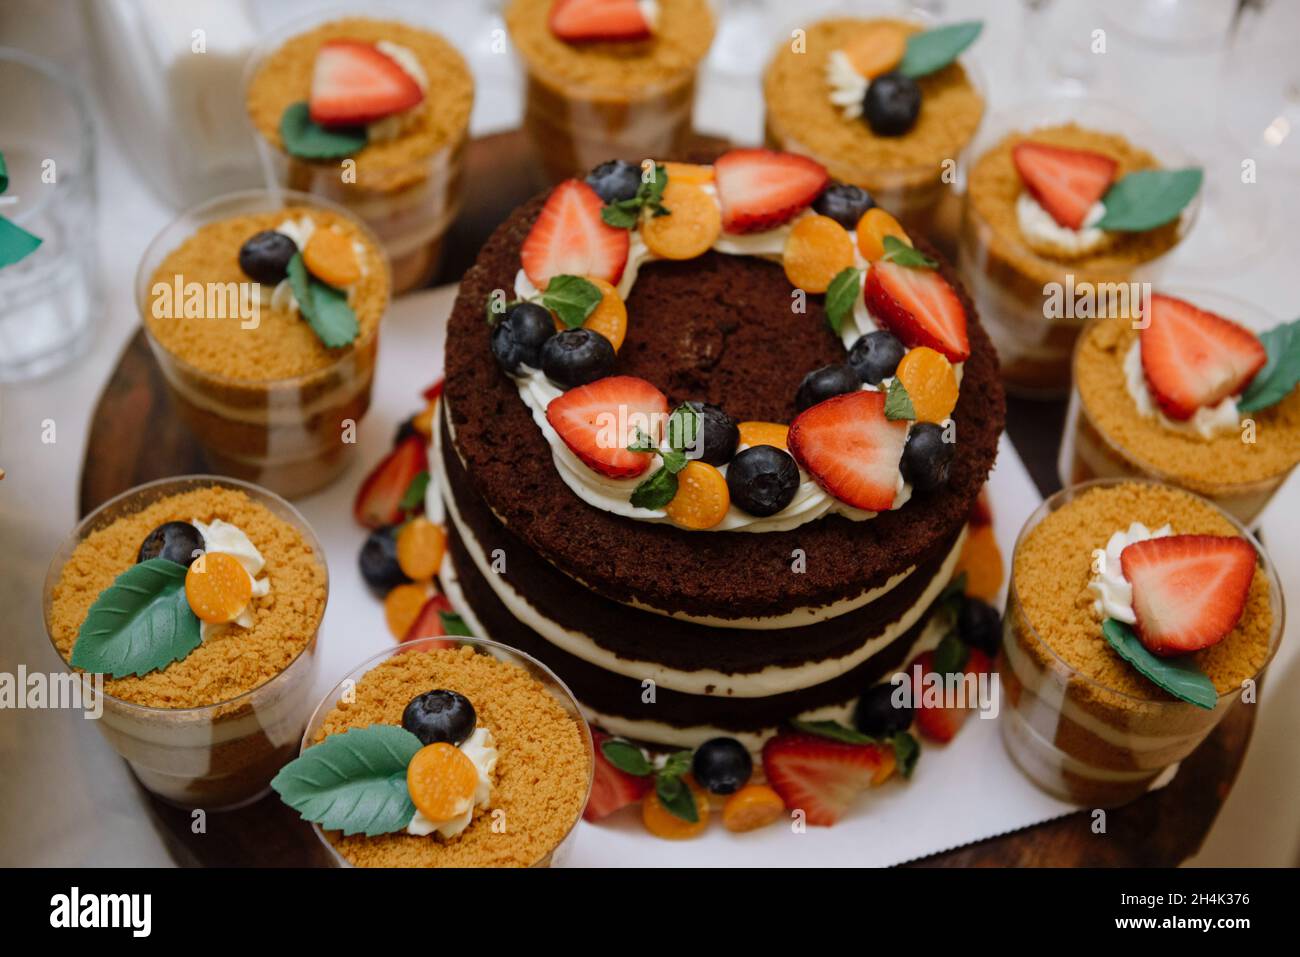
409,203
219,756
1011,284
1087,452
1079,740
285,434
553,685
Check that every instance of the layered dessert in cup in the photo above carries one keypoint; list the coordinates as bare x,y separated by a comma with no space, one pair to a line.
1139,614
845,93
1058,222
444,752
263,311
1200,394
374,115
618,82
190,607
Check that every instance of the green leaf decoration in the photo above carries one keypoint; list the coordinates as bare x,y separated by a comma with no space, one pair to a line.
325,308
951,655
932,50
16,243
413,497
625,213
4,174
1148,198
898,404
455,625
897,251
660,488
677,763
1281,372
627,757
308,140
683,428
906,752
354,782
674,794
572,298
642,442
832,730
656,491
1179,676
841,296
140,623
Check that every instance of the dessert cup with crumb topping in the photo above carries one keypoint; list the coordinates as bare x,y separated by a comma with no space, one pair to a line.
269,404
211,730
545,759
1080,722
1011,282
1107,437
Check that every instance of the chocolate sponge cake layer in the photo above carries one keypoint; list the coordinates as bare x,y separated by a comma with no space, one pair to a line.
722,329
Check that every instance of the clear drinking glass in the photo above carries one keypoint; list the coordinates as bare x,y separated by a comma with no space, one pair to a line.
47,138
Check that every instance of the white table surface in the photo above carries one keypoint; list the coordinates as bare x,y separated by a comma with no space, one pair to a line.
65,798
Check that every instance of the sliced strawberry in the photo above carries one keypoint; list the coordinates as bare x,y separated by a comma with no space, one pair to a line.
919,307
612,789
578,20
759,189
428,623
942,722
379,500
851,449
599,420
1189,591
354,83
570,239
820,776
1193,358
1065,182
434,392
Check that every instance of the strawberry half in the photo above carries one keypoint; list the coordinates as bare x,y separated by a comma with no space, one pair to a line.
598,421
611,789
1189,591
579,20
379,500
1193,358
428,623
941,723
848,446
759,189
818,775
354,83
570,239
1065,182
919,307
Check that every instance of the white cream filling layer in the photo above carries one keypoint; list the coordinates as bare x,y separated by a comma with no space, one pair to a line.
1036,223
481,750
1206,422
1113,591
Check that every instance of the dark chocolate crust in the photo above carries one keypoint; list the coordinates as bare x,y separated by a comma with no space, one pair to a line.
721,329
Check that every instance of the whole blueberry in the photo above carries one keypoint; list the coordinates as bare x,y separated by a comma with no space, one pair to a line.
718,437
844,203
615,180
876,356
519,335
178,542
825,383
440,715
877,715
265,256
576,357
979,625
762,480
378,561
722,765
892,104
927,457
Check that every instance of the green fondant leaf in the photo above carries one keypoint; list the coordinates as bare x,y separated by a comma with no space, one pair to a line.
309,140
1179,676
1148,198
1281,372
932,50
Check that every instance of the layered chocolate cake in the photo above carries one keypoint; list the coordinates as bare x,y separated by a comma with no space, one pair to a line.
749,575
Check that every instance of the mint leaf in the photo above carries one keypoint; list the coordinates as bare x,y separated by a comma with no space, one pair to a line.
932,50
1148,198
1281,372
572,298
677,763
625,213
621,215
413,497
906,752
453,624
323,307
898,404
656,491
951,656
642,442
354,782
673,460
674,794
841,296
684,429
308,140
897,251
832,730
627,757
140,623
1179,676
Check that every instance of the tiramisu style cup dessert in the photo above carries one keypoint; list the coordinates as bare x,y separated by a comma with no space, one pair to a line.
372,114
1201,394
1070,205
1138,615
608,79
883,104
443,752
191,607
263,312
